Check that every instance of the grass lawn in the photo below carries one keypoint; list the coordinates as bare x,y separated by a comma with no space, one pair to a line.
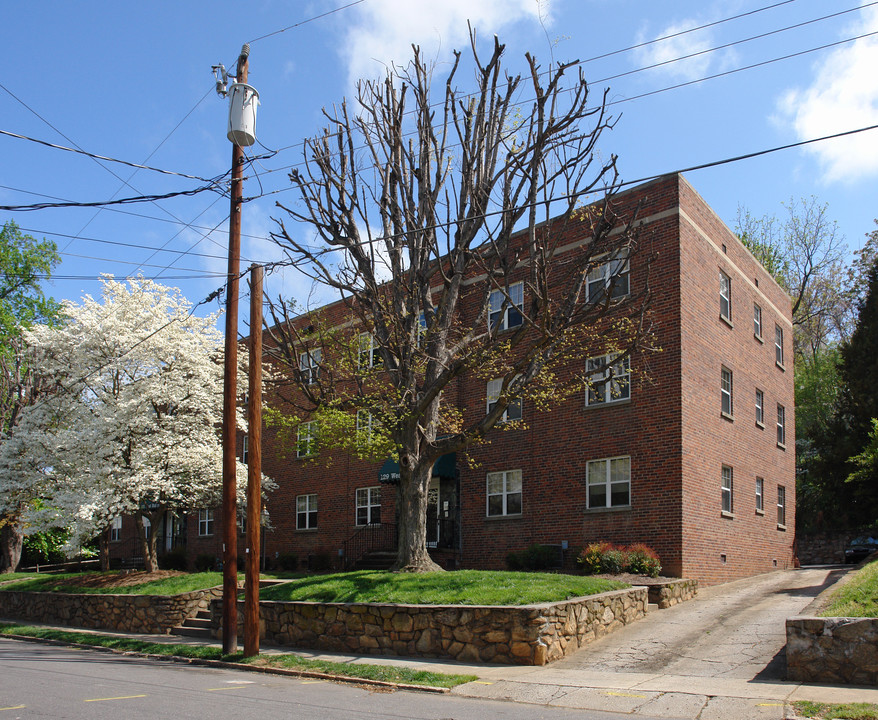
858,597
386,673
460,587
848,711
102,583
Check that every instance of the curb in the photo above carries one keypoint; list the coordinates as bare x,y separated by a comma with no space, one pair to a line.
237,666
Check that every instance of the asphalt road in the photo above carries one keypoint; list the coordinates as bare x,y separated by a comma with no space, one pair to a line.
46,681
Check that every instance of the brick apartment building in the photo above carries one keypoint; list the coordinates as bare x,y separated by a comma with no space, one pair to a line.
691,450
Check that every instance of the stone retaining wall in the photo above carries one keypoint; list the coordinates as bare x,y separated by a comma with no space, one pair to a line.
667,593
525,635
833,650
125,613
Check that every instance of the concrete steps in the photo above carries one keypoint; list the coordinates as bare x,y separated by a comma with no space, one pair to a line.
197,625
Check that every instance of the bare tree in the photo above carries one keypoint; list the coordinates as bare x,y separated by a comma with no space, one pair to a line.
433,222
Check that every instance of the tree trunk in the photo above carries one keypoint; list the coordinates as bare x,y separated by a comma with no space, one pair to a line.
150,554
11,539
411,497
104,550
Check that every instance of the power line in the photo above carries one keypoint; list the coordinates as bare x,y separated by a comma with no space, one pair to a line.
101,203
316,17
104,157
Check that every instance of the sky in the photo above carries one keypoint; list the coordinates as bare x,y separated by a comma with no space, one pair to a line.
688,83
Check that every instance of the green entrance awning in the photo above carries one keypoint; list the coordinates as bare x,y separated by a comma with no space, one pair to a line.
445,467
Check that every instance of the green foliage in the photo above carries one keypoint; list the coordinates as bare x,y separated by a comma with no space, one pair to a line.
385,673
79,583
44,547
535,557
836,711
603,557
460,587
205,562
858,597
174,559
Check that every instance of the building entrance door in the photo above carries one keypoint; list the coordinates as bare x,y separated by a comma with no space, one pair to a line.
433,513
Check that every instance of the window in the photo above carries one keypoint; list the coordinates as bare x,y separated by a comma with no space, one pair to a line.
513,410
245,450
725,296
726,391
306,442
760,495
309,365
369,506
364,426
781,426
147,526
760,408
306,512
205,521
116,529
609,482
781,506
504,493
728,507
757,321
369,354
510,316
611,274
778,345
609,379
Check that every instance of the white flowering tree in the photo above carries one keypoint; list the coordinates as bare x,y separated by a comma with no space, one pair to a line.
131,424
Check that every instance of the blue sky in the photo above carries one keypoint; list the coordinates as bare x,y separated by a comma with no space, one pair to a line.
133,81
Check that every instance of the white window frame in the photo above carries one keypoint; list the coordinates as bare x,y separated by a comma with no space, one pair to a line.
506,486
778,345
725,296
611,269
757,321
513,411
368,500
513,313
726,391
116,529
728,490
205,522
781,425
368,352
364,425
306,512
306,439
760,408
245,450
760,495
599,474
610,386
781,506
309,365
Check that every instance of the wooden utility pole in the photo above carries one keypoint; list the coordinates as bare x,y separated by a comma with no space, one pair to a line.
254,468
230,395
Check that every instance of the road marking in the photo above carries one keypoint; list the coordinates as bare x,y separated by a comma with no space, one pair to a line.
481,682
235,687
123,697
14,707
240,682
769,704
620,694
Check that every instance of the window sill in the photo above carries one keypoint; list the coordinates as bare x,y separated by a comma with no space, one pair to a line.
760,512
781,366
727,416
205,535
608,403
306,530
727,514
782,528
782,446
759,338
726,320
493,518
306,457
620,508
760,425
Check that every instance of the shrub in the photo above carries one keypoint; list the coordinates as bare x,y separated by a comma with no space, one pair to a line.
320,562
205,562
287,561
642,560
615,560
535,557
173,559
591,558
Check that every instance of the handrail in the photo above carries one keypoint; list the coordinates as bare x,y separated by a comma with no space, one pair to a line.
369,538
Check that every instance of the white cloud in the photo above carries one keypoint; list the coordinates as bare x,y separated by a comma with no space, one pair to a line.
387,29
842,96
665,53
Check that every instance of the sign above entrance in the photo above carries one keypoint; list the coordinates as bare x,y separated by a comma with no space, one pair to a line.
445,467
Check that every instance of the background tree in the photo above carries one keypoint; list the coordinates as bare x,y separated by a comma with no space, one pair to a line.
130,426
424,204
24,263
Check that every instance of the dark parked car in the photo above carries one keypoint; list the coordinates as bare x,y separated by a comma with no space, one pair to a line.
860,548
